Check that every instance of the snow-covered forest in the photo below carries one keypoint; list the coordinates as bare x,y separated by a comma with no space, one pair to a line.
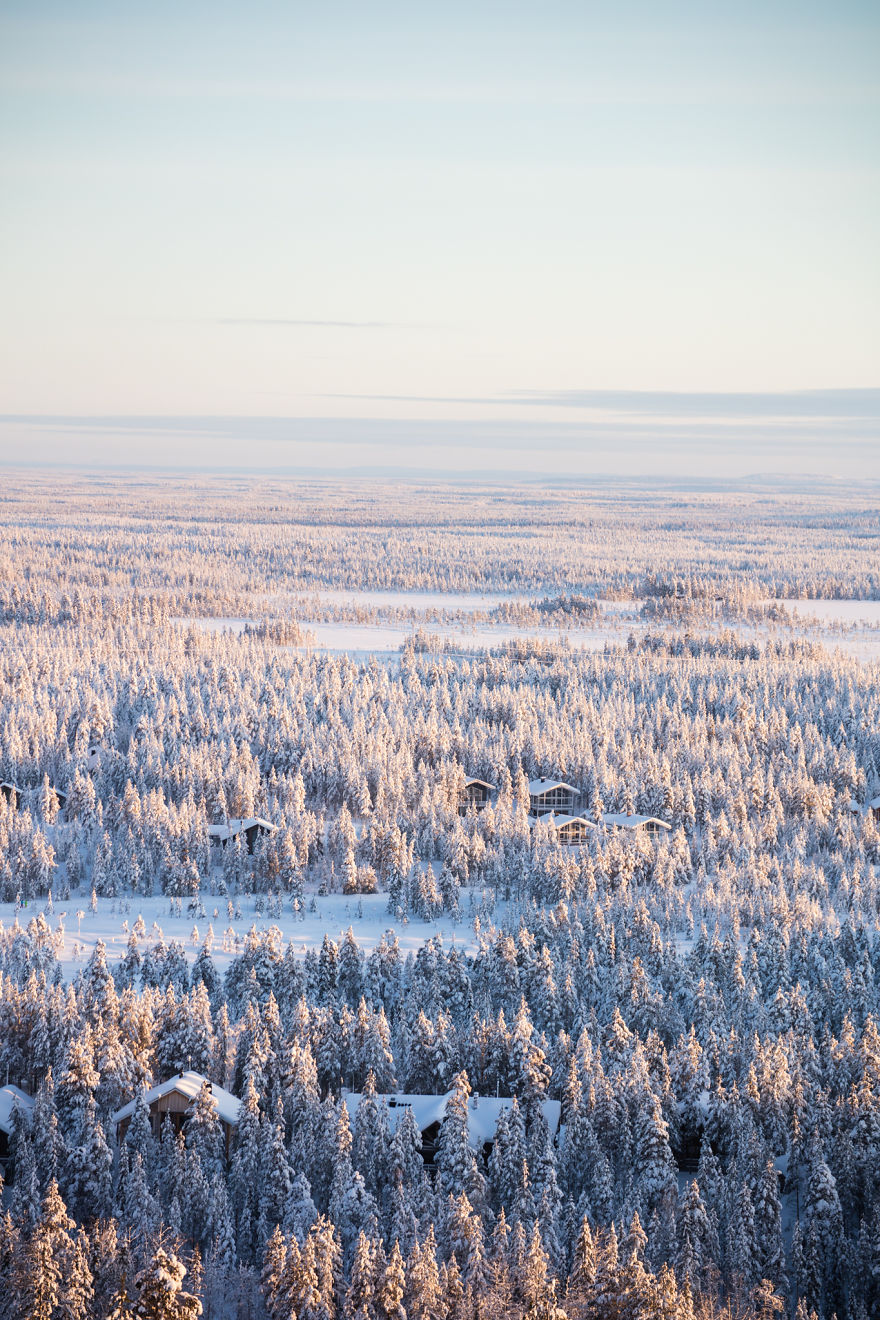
703,1003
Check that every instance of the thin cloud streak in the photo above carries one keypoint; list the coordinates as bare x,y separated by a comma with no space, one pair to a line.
784,435
283,321
855,404
608,92
552,447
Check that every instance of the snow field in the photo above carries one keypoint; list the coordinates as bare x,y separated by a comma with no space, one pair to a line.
329,914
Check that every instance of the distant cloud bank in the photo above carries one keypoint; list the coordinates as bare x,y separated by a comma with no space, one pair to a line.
848,403
833,433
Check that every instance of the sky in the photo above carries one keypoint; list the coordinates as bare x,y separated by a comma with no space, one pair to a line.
467,236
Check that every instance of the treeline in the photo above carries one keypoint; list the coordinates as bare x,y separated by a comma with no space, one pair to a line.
218,547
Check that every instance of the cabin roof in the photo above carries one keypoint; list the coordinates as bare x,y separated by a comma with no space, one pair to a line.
187,1084
632,822
233,827
483,1112
539,786
479,783
873,805
559,818
9,1097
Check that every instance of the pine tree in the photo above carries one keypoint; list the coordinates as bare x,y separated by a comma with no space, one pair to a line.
741,1245
654,1169
160,1291
693,1237
244,1177
371,1138
582,1278
361,1296
464,1236
122,1305
424,1299
49,1150
824,1231
222,1249
26,1201
89,1168
57,1280
196,1205
276,1178
768,1230
138,1207
529,1070
139,1134
328,1268
457,1168
273,1272
203,1133
392,1288
299,1209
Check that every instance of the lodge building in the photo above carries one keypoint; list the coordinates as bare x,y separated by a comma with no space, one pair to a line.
175,1099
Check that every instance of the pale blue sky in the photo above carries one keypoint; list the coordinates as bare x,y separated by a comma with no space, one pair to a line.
462,213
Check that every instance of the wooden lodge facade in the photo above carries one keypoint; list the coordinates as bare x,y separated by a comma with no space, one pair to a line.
477,794
175,1099
546,795
647,824
250,829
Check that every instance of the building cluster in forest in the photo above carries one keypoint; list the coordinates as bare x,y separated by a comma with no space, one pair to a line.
636,1077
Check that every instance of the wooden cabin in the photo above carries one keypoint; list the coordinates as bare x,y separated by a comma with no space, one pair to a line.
11,794
647,824
10,1096
546,795
175,1099
429,1112
251,829
477,794
568,829
871,808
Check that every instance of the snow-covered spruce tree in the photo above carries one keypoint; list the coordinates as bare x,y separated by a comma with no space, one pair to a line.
457,1168
55,1278
160,1293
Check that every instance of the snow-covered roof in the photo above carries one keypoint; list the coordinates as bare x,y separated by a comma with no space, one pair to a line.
9,1097
873,805
187,1084
481,783
234,827
483,1112
539,786
632,822
558,819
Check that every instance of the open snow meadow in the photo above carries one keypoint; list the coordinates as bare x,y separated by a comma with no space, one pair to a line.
225,924
439,902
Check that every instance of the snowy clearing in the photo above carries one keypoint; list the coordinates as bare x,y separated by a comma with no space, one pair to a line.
330,914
